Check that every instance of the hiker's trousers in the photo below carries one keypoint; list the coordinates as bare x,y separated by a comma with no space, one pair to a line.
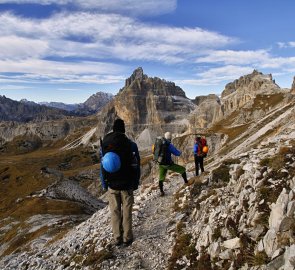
199,161
173,167
120,205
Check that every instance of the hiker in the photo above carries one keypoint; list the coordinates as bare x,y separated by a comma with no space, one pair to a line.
120,176
168,164
199,154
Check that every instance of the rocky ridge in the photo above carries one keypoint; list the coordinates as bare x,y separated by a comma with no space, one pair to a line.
11,110
253,95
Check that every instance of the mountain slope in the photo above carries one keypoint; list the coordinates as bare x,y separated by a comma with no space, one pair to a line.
11,110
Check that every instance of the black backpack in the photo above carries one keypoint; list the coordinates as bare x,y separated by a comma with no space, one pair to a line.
160,148
120,144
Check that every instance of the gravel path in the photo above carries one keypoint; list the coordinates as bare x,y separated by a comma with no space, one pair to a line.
152,224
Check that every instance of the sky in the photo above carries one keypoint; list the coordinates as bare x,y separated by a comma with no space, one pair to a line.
67,50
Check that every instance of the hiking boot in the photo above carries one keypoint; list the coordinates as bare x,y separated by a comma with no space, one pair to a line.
128,243
161,188
184,177
117,242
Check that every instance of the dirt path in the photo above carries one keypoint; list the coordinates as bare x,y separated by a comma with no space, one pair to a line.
152,243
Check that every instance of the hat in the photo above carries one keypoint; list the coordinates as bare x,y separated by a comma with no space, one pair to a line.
119,126
168,136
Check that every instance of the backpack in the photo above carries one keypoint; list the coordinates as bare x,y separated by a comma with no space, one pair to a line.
159,150
202,147
118,142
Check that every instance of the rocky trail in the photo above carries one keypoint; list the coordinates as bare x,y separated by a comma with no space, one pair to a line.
152,226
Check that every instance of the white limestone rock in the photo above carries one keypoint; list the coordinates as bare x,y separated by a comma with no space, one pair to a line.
232,243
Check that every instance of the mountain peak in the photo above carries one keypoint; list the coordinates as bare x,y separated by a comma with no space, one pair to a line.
136,75
254,82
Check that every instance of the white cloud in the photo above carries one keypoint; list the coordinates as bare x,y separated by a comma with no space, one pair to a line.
215,76
16,87
12,47
290,44
230,57
279,63
131,7
52,71
111,36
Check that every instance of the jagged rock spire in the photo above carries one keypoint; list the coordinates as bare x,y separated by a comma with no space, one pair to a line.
136,75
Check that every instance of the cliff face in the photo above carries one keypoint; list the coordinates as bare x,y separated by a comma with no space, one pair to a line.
146,102
246,88
249,98
207,111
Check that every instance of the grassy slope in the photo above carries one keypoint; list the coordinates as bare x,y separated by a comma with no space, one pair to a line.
21,176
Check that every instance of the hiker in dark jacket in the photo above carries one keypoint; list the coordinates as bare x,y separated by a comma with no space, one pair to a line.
169,164
122,183
199,155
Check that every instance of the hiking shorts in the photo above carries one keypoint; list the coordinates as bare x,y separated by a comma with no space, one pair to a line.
173,167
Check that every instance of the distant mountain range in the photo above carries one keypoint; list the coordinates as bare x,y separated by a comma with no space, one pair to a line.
92,105
26,111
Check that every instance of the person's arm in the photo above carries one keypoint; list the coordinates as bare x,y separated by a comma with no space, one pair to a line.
101,174
195,148
135,150
173,150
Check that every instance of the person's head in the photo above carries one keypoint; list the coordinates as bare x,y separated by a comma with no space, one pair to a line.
168,136
119,125
198,138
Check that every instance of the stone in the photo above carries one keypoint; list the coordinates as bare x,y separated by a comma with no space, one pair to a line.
276,264
291,209
232,243
226,255
289,258
270,242
214,249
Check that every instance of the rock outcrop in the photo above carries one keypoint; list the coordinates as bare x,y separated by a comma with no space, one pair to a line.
148,105
250,97
207,111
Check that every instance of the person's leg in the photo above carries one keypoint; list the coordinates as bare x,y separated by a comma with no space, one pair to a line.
196,164
162,176
184,177
116,217
201,160
127,203
179,169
